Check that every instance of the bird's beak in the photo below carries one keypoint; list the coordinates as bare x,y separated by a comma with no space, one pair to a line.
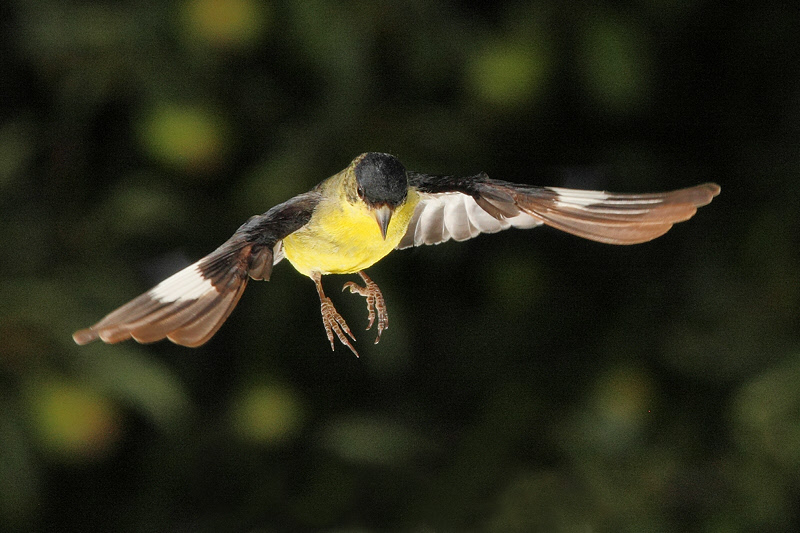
383,215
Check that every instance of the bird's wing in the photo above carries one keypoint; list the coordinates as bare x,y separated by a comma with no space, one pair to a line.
191,305
462,208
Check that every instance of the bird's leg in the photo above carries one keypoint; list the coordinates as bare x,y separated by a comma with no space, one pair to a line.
331,319
376,305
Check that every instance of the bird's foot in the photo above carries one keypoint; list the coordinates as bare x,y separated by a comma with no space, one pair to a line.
334,323
376,305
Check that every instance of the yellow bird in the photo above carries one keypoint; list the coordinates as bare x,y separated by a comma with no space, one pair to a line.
353,219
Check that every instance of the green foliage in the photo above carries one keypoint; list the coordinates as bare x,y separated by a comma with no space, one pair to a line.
529,381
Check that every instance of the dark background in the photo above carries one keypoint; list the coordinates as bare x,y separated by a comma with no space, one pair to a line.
530,380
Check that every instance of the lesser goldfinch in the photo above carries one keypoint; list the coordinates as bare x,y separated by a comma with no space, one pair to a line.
353,219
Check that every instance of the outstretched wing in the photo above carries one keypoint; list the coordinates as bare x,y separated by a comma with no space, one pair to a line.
462,208
190,306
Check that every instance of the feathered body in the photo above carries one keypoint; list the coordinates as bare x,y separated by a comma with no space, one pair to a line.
341,237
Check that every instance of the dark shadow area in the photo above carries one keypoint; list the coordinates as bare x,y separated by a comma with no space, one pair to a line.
529,380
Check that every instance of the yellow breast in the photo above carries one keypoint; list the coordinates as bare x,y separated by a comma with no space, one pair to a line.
342,238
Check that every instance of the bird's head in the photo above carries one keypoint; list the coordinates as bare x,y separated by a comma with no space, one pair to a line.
382,184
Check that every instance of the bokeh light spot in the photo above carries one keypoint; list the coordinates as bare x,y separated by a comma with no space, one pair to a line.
266,414
508,74
191,138
616,64
74,423
232,23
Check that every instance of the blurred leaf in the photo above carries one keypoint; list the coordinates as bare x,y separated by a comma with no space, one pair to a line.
19,491
515,396
73,422
545,502
226,23
759,490
620,408
330,38
42,305
328,491
191,138
62,27
266,414
766,414
17,146
139,381
516,283
616,62
275,180
141,206
509,75
372,441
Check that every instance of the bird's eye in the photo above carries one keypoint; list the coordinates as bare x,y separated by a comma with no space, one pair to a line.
360,191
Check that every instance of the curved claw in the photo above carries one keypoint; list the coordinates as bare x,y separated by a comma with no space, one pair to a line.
331,319
376,305
356,289
335,323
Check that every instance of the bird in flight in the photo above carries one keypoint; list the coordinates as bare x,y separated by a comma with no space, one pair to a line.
353,219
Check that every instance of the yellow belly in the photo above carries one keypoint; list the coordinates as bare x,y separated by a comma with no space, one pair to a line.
342,238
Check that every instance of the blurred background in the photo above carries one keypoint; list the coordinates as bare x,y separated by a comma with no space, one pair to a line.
530,380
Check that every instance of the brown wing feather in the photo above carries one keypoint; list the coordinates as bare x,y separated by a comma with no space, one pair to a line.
192,296
200,330
191,305
485,205
614,218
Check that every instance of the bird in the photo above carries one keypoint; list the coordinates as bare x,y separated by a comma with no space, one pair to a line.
353,219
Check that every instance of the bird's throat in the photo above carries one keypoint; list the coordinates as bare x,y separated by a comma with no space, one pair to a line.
342,238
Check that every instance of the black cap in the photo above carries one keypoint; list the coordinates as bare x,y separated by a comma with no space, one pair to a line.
381,179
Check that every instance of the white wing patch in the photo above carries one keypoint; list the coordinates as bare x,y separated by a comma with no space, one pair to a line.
607,203
277,253
453,215
577,197
187,284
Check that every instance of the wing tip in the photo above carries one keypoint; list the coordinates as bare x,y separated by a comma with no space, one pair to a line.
109,335
85,336
710,189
